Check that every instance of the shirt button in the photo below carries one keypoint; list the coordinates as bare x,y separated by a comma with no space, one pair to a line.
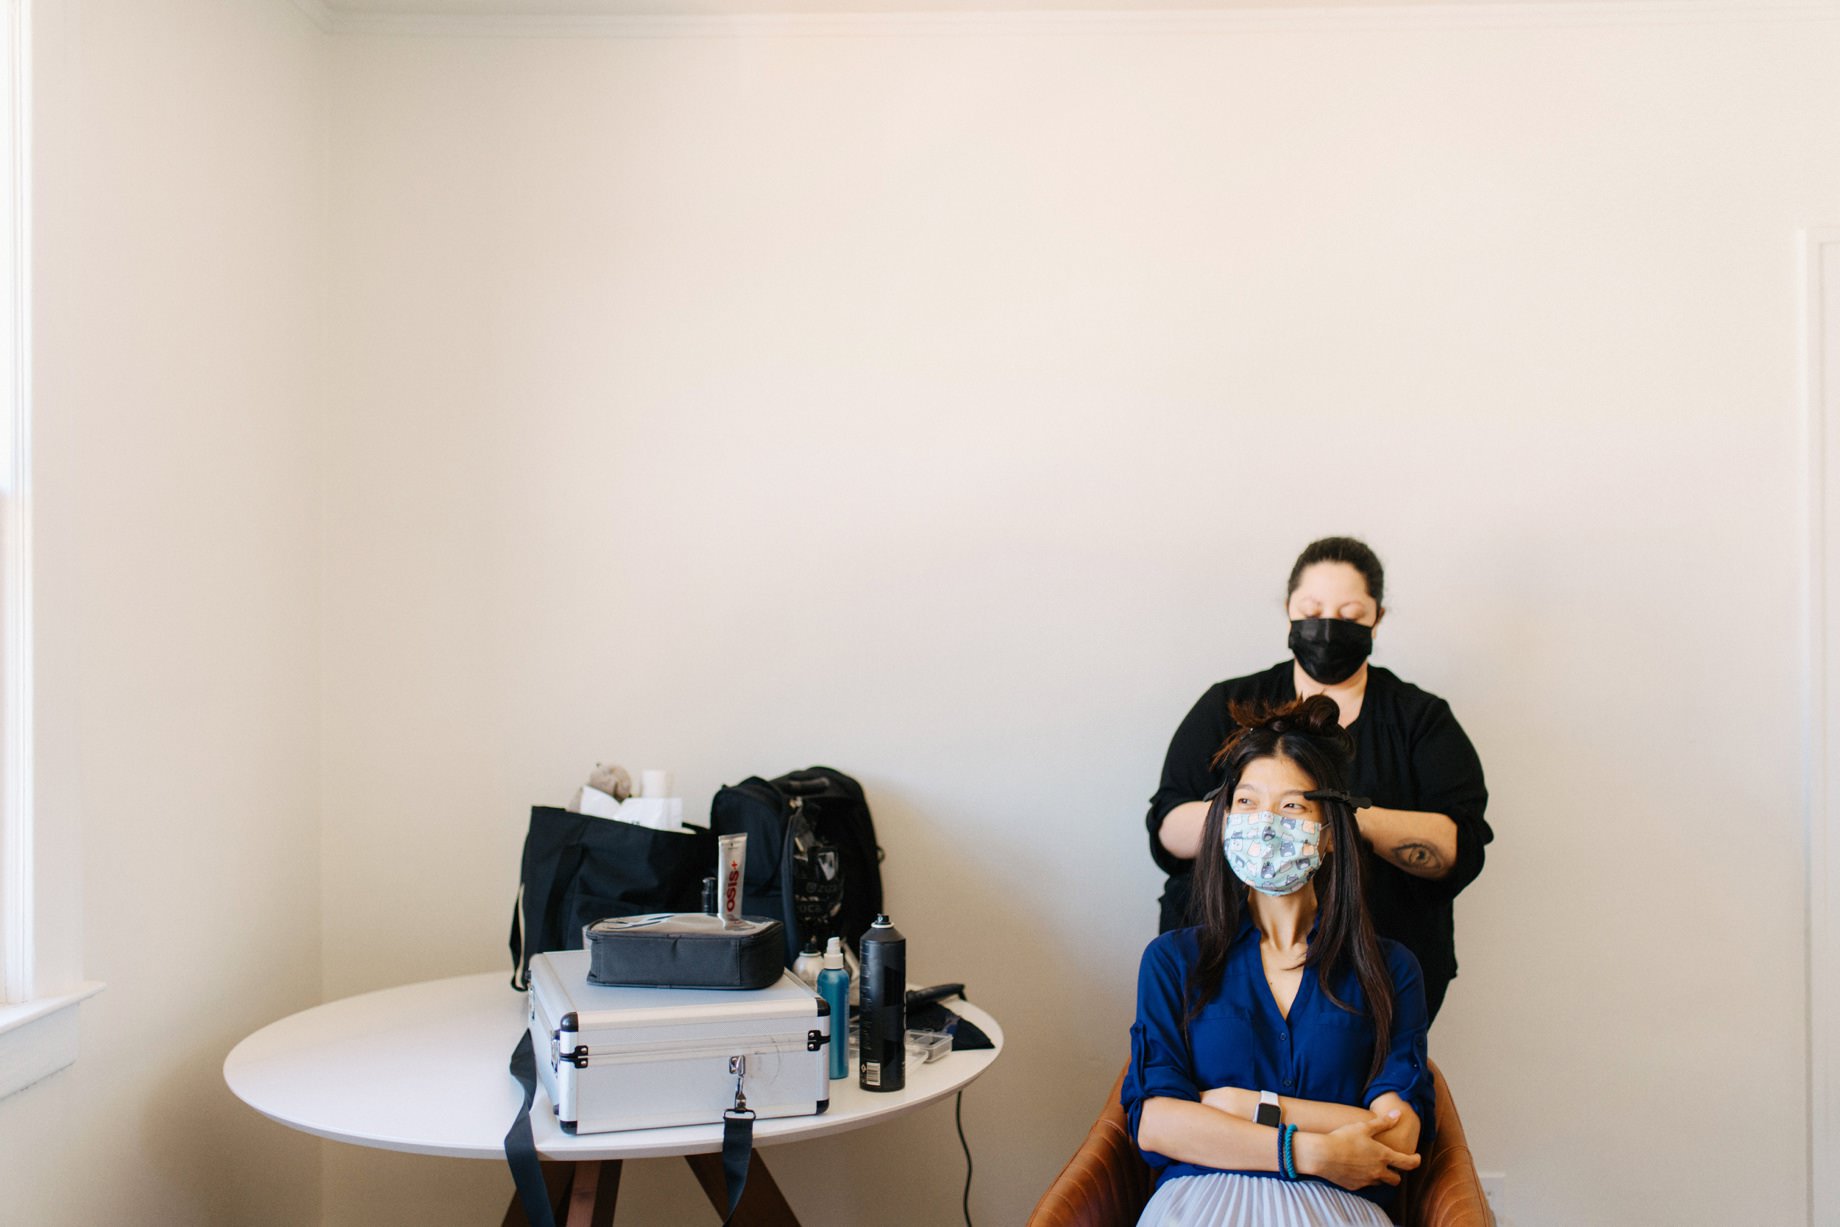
1287,1084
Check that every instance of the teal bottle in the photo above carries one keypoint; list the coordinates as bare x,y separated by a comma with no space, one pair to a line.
834,987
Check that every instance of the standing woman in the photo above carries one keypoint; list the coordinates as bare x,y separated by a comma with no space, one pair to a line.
1414,768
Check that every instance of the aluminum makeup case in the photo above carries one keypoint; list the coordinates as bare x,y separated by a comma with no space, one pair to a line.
642,1058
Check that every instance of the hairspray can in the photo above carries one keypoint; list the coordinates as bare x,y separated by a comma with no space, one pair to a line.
883,1062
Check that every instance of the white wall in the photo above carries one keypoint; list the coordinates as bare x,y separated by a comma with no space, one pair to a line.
181,213
947,405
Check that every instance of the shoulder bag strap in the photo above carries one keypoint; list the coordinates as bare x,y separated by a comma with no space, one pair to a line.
521,1145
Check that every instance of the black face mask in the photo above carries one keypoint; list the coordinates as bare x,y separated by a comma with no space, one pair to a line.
1331,650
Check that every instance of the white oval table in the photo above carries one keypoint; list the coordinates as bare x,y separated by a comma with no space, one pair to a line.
424,1068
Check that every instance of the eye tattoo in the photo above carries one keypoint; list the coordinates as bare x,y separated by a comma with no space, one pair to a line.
1418,856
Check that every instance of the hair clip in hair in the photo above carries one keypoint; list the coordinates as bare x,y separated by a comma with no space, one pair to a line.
1336,794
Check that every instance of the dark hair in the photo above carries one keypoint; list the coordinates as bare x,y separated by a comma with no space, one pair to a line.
1308,732
1342,549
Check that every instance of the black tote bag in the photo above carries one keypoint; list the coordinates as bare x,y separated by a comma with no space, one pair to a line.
579,869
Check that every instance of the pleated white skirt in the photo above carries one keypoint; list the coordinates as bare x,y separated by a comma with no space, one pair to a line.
1225,1199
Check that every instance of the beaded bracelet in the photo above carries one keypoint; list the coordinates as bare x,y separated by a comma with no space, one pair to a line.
1287,1158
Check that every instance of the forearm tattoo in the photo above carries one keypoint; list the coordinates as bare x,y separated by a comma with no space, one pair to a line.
1416,856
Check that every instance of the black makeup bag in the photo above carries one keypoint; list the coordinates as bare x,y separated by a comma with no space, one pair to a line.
685,950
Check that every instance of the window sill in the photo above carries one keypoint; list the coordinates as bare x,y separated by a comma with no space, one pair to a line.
39,1037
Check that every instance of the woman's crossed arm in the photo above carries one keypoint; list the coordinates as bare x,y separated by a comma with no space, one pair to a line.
1315,1116
1349,1154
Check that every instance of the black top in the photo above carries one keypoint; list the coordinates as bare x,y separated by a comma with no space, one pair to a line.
1409,753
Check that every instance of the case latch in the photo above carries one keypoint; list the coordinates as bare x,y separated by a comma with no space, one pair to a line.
578,1058
738,1067
815,1039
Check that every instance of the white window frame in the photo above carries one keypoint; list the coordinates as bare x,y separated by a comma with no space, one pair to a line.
1821,402
16,909
38,1035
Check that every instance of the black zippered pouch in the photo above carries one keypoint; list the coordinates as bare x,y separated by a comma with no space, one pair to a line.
685,950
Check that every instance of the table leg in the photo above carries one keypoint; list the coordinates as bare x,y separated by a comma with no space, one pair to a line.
557,1177
593,1193
762,1204
580,1194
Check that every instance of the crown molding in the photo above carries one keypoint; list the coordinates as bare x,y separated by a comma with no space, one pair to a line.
1510,14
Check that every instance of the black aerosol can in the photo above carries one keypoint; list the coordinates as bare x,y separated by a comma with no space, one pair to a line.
883,1064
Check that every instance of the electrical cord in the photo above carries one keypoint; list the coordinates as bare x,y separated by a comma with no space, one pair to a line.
958,1118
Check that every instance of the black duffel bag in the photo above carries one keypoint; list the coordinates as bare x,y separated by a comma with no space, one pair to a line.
579,869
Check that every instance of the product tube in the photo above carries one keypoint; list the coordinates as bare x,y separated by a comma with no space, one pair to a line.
731,860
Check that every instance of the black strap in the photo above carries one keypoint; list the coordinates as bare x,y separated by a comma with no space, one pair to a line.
737,1150
520,944
527,1172
568,864
521,1146
789,909
549,919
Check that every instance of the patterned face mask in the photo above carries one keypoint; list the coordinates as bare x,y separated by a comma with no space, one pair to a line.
1274,854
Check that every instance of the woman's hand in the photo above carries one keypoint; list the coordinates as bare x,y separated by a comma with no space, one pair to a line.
1403,1135
1353,1156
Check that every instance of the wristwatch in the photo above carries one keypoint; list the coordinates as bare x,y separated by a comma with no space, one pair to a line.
1268,1112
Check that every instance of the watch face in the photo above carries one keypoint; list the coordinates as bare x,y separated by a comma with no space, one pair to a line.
1268,1114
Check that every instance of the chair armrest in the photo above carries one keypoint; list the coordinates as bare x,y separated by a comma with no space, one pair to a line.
1445,1191
1105,1184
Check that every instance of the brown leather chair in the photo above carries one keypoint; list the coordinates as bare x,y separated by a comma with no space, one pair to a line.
1107,1182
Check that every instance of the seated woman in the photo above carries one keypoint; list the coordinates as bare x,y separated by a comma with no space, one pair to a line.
1278,1068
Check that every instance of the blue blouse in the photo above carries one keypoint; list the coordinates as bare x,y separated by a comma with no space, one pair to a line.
1321,1052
